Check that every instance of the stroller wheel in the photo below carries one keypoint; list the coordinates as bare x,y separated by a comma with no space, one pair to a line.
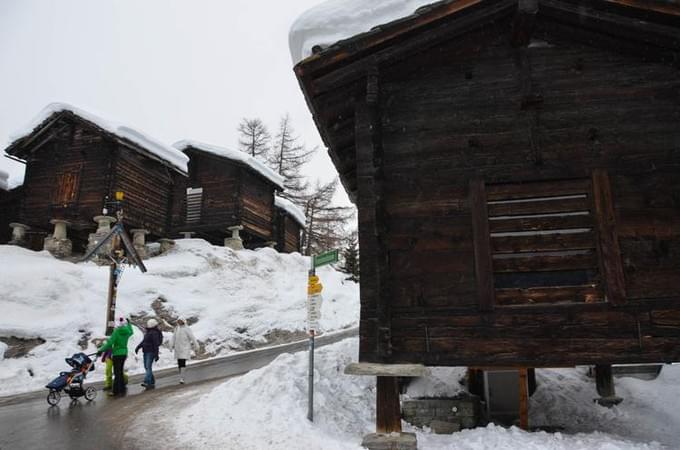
53,397
90,393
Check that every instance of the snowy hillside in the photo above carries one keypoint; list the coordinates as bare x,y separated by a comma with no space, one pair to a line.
266,408
239,300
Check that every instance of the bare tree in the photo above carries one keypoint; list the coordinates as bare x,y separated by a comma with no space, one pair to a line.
254,138
287,157
326,222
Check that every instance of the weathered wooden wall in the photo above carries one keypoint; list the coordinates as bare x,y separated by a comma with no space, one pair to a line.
10,210
76,150
286,233
462,131
232,195
149,189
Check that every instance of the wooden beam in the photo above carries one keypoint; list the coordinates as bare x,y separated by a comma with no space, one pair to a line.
523,399
609,250
482,245
524,23
371,212
388,409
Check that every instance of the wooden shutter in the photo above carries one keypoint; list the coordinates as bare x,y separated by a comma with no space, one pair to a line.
194,205
67,188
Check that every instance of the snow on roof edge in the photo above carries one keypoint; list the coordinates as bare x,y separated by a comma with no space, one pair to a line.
337,20
233,155
291,208
162,151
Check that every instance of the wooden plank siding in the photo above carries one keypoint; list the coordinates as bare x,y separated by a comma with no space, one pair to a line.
232,195
563,156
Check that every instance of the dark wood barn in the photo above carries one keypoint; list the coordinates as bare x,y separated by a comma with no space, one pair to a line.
228,188
75,161
9,209
515,166
289,224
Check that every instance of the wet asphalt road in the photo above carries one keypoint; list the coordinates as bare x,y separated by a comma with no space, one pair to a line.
28,422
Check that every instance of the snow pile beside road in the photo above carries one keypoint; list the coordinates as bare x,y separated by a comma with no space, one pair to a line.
266,408
239,299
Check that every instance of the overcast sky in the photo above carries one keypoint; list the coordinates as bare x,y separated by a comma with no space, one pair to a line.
175,69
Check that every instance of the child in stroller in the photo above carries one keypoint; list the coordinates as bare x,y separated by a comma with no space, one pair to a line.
72,382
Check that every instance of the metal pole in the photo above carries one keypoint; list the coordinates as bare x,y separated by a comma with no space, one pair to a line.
310,377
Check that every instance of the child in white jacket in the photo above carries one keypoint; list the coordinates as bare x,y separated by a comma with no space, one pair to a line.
183,341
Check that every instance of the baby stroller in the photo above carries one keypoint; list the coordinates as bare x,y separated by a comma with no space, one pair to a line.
72,382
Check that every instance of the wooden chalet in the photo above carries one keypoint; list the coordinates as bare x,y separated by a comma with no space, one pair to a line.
75,162
226,189
288,226
515,167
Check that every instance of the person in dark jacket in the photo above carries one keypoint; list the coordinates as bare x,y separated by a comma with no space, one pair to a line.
153,338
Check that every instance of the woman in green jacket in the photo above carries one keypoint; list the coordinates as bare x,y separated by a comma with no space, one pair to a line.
118,344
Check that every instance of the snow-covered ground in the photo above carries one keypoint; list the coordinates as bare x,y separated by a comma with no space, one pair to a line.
239,298
266,408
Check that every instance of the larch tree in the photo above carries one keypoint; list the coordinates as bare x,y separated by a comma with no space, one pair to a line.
254,138
326,222
287,157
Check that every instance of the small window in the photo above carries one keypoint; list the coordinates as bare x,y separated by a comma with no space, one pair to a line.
194,205
543,242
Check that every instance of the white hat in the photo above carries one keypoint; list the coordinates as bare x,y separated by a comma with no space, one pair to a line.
151,323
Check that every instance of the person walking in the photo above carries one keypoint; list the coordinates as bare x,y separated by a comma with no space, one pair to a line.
118,343
183,341
153,338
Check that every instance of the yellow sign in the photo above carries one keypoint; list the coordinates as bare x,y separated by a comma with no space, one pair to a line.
313,285
120,196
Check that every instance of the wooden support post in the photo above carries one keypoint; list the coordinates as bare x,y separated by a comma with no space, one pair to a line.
610,252
523,399
482,244
388,409
475,382
604,382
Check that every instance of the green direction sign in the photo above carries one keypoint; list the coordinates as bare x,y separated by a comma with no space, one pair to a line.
326,258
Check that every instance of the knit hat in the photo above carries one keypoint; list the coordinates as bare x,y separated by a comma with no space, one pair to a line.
120,322
151,323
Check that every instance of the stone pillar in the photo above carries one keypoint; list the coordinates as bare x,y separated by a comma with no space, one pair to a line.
139,242
103,229
19,234
187,234
58,243
604,381
270,244
166,245
234,242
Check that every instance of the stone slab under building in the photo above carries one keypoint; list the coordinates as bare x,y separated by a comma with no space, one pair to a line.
392,441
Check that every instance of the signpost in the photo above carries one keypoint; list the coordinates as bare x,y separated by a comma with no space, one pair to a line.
118,258
314,299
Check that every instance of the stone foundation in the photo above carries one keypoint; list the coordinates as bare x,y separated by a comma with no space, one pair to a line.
19,234
234,242
58,243
443,415
393,441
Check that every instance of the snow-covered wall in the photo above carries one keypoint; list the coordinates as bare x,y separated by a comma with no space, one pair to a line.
157,148
335,20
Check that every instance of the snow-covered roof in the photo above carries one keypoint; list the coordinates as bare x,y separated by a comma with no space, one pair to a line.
233,155
335,20
4,178
155,148
291,208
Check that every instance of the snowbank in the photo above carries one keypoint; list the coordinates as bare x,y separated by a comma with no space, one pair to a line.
237,297
335,20
234,155
266,408
292,209
162,151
